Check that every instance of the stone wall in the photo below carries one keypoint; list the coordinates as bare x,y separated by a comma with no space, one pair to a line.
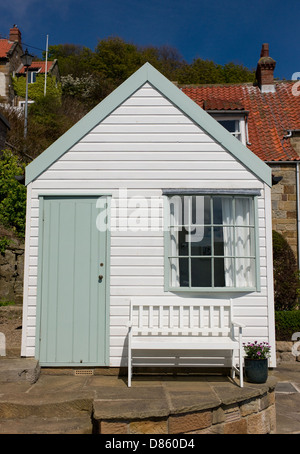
253,415
11,274
284,351
284,204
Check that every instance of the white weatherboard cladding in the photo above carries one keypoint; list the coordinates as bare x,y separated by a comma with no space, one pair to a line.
143,146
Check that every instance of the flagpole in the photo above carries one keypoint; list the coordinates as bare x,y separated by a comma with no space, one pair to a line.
45,88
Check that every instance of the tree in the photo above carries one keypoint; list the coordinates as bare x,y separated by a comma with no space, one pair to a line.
201,72
286,277
233,73
116,60
12,193
72,59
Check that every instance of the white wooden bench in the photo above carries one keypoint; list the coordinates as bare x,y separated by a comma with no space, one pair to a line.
191,325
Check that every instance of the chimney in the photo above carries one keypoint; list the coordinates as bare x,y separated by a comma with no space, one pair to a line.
15,34
265,71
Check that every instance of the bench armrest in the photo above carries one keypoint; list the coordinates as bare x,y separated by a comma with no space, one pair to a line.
240,325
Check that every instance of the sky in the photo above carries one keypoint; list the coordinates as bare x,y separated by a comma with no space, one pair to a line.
222,31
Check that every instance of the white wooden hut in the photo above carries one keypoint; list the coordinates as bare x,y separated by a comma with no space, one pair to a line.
146,198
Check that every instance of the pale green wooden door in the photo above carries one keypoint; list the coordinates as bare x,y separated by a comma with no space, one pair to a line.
73,306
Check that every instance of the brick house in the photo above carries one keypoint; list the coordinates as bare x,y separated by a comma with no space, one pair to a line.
39,67
10,61
265,116
11,65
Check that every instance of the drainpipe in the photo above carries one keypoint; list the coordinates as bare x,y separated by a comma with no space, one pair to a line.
298,211
247,133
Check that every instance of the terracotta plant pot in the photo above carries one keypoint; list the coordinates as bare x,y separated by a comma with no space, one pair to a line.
256,370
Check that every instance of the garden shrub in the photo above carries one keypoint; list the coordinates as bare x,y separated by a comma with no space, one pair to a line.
12,194
286,275
286,324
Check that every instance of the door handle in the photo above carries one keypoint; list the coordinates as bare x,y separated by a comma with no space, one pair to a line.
100,277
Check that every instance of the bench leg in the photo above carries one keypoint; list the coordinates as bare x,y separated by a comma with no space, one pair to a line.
129,364
232,365
129,373
241,368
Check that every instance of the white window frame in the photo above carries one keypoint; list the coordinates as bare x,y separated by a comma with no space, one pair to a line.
167,234
240,132
30,76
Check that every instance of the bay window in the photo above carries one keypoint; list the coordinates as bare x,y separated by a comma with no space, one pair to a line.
211,242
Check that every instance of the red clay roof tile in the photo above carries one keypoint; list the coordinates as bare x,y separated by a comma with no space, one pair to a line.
5,46
38,66
271,115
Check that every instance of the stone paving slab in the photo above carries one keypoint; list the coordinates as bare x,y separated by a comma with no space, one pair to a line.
148,395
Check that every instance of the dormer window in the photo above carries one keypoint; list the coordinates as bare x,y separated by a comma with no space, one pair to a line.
234,123
233,126
231,114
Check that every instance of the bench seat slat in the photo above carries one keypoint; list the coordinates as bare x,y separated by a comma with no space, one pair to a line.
179,331
175,343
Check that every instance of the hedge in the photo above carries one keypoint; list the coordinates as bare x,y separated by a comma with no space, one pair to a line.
286,275
286,324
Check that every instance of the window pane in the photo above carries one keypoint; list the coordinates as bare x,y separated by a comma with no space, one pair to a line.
183,246
200,210
179,207
223,210
244,211
202,247
184,272
179,272
229,271
245,272
178,242
174,272
223,241
201,272
219,274
230,125
244,241
218,241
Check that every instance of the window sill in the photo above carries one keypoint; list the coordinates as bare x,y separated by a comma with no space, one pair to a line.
212,290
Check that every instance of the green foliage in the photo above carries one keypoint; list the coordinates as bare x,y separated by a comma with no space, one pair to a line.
12,194
286,276
73,59
286,324
4,243
36,89
7,303
114,60
208,72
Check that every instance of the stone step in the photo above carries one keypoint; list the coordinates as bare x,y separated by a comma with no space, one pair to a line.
51,425
19,369
60,405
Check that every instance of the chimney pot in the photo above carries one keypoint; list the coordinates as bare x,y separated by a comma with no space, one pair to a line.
265,70
264,50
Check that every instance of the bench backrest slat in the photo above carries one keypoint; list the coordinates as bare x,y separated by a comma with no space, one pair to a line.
193,316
